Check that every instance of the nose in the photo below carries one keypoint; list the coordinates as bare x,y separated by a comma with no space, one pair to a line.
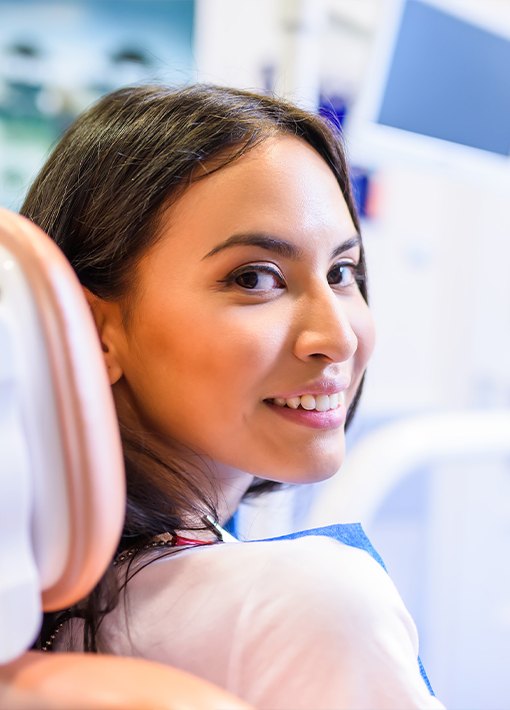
324,329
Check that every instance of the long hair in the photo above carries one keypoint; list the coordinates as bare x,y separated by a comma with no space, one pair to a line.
100,196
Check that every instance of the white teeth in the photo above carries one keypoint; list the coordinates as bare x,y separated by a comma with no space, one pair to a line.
319,403
322,403
308,402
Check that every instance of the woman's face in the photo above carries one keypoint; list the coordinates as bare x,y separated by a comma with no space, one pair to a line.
249,335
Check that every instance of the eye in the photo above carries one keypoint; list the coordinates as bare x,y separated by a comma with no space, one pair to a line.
257,277
343,274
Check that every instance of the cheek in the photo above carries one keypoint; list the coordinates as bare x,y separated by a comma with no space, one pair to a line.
228,351
363,325
241,351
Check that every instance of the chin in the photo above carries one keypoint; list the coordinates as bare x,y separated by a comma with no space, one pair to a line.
319,475
307,471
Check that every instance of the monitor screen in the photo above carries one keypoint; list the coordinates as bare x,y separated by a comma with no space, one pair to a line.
449,79
439,76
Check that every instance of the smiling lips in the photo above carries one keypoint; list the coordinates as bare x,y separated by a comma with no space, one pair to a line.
310,402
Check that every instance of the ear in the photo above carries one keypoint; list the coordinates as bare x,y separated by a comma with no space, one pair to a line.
108,319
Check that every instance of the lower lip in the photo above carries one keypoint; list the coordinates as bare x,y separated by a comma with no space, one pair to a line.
332,419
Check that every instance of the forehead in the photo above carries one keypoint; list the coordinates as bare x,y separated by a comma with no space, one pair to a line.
282,187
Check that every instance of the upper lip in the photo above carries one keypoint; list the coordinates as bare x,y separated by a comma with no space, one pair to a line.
317,387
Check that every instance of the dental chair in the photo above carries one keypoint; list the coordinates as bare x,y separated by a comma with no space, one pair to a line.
433,493
62,491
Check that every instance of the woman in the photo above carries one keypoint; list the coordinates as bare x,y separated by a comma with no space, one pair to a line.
216,238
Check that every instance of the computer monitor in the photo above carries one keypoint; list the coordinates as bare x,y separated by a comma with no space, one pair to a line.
437,89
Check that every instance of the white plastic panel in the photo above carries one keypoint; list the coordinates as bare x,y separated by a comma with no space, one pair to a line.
20,605
34,539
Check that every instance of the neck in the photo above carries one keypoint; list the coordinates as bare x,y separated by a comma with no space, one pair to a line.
232,484
226,483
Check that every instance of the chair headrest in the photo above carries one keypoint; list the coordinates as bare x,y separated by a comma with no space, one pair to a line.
62,486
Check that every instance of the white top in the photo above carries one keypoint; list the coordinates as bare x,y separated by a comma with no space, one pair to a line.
303,624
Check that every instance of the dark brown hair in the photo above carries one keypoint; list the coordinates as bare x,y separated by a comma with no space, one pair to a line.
100,196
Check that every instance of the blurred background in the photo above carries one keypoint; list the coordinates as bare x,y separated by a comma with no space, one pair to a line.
421,89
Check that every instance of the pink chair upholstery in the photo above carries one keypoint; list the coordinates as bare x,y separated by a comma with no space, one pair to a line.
62,492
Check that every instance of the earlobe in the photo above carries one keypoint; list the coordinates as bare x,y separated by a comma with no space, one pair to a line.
108,322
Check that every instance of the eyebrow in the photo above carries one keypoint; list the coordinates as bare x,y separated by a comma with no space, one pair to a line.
278,246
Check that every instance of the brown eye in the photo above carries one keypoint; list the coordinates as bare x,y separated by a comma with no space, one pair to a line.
342,275
259,278
249,279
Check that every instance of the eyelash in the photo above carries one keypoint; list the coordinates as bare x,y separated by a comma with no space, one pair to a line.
230,280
